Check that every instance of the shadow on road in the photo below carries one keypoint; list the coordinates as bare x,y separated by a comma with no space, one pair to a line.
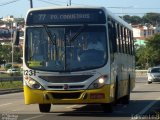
130,110
93,111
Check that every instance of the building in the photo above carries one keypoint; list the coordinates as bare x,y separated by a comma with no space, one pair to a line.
8,18
141,32
7,27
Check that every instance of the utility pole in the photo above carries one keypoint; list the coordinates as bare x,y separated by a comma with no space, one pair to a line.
31,4
12,43
69,2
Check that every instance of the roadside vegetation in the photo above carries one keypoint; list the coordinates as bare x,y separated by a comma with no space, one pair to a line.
10,80
147,19
11,85
148,55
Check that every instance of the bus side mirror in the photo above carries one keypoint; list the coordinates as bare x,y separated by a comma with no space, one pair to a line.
16,37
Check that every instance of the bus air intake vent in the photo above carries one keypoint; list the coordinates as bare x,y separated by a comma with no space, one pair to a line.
69,87
65,79
75,95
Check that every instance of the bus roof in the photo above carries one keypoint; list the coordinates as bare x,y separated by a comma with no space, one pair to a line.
107,12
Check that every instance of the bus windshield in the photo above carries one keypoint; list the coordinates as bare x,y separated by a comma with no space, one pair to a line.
65,48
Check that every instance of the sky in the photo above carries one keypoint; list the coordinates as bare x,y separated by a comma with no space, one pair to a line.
19,8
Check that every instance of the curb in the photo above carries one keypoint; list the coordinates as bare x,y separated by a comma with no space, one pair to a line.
9,91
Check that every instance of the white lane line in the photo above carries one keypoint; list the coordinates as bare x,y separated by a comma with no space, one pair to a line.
71,106
5,104
143,111
33,117
146,84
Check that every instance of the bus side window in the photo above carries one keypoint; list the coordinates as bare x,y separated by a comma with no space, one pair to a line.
118,39
132,39
131,43
125,41
112,36
128,38
121,39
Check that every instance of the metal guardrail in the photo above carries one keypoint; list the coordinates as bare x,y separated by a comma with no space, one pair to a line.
141,72
8,91
10,79
6,79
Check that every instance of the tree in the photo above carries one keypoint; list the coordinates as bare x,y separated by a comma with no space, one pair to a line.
149,55
153,45
136,19
6,54
152,18
132,19
142,57
127,18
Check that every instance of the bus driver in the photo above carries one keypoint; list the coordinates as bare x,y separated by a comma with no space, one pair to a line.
95,44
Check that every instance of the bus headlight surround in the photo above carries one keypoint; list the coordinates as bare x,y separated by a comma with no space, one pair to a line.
34,84
100,82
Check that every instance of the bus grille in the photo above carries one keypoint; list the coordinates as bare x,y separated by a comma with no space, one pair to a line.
66,95
65,79
69,87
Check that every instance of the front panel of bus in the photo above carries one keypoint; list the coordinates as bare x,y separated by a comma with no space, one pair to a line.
62,64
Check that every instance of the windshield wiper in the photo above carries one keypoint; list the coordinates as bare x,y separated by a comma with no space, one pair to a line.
81,29
53,40
49,35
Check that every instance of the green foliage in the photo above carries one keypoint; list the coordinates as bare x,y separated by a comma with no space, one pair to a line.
151,18
6,54
153,44
8,66
11,84
16,74
149,55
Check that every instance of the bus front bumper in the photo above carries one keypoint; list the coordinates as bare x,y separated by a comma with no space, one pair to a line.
101,95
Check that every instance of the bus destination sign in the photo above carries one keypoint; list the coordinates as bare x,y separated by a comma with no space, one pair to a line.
66,16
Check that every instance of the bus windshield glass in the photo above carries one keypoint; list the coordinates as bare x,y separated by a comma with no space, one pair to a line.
67,48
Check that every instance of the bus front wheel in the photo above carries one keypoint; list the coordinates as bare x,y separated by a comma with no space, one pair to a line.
44,107
126,99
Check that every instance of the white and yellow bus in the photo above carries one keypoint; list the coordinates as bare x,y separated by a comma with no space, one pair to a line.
62,67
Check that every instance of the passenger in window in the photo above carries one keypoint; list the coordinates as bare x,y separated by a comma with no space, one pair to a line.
38,47
95,44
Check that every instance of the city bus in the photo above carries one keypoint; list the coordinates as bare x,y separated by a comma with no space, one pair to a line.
61,68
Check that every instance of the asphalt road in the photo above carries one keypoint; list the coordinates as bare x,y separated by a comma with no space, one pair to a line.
143,97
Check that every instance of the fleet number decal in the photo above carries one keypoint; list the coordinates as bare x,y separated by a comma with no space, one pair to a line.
30,72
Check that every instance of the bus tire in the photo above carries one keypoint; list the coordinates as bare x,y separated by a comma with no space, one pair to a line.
107,107
116,91
44,107
126,98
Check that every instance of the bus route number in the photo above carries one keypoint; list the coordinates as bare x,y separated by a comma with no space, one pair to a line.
30,72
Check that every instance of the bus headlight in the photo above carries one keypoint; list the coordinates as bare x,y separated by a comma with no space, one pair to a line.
34,84
100,82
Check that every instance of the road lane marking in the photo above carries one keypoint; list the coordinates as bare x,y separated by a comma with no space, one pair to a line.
71,106
33,117
143,111
5,104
